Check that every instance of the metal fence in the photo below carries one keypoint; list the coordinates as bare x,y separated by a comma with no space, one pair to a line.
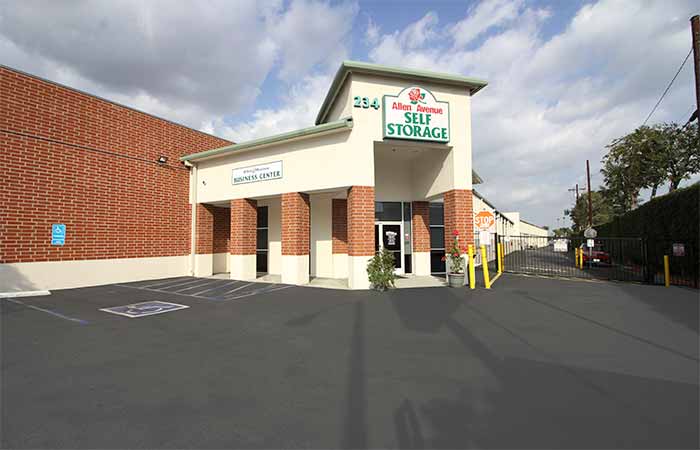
623,259
683,259
608,259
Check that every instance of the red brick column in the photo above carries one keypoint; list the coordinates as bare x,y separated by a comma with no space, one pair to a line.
339,227
361,221
205,227
420,223
295,223
244,217
459,216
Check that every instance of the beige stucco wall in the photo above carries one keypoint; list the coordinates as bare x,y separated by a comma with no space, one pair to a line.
220,263
532,230
316,163
337,160
515,218
392,179
342,104
321,237
410,171
455,171
346,158
479,205
62,274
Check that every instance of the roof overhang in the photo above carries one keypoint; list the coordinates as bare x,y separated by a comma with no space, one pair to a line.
344,124
474,85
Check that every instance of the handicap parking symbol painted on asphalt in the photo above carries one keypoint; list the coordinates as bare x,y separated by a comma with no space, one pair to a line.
144,309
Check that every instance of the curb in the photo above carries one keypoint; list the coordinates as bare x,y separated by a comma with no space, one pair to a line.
23,294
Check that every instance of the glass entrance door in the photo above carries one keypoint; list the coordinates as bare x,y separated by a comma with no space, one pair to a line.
389,235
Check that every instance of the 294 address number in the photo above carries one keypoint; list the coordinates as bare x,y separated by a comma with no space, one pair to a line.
363,102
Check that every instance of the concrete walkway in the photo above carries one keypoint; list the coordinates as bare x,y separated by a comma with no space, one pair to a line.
402,281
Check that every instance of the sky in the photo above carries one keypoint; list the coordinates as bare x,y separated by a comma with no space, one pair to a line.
565,77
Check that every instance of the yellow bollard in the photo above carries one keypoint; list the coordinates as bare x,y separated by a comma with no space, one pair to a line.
576,257
499,257
485,267
667,272
503,258
472,274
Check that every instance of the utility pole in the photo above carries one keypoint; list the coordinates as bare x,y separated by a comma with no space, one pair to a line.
590,207
695,30
574,190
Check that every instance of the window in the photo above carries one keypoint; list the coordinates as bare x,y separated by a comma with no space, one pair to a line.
408,243
387,211
437,238
262,240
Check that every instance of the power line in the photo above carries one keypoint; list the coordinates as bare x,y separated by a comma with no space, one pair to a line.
91,149
668,87
685,114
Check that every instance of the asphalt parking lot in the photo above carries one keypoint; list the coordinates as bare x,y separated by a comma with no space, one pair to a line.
532,363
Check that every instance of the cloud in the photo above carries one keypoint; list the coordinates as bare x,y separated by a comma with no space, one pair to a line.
483,17
312,33
372,32
193,63
553,103
298,110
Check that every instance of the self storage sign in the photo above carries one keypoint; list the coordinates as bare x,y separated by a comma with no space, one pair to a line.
416,115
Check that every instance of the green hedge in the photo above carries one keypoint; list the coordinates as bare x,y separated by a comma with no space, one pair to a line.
671,217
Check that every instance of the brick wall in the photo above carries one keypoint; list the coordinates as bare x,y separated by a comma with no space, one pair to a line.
361,221
421,226
213,229
71,158
295,223
205,226
459,216
222,230
244,221
339,227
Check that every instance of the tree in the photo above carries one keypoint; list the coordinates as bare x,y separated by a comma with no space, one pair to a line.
647,158
633,162
561,232
602,211
680,152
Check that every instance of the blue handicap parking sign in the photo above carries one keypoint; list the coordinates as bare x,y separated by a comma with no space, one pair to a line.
144,309
58,234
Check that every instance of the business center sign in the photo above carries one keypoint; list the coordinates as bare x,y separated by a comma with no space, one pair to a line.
261,172
414,114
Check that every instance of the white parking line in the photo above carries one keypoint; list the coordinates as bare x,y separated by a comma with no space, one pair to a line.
48,311
237,289
207,283
173,284
168,281
258,291
164,292
233,283
192,284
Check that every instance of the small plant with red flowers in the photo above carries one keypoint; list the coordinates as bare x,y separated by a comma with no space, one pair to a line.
454,255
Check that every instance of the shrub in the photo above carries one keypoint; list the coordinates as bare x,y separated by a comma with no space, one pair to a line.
381,270
661,222
673,216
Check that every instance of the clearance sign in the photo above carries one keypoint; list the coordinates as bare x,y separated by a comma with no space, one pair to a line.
415,114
